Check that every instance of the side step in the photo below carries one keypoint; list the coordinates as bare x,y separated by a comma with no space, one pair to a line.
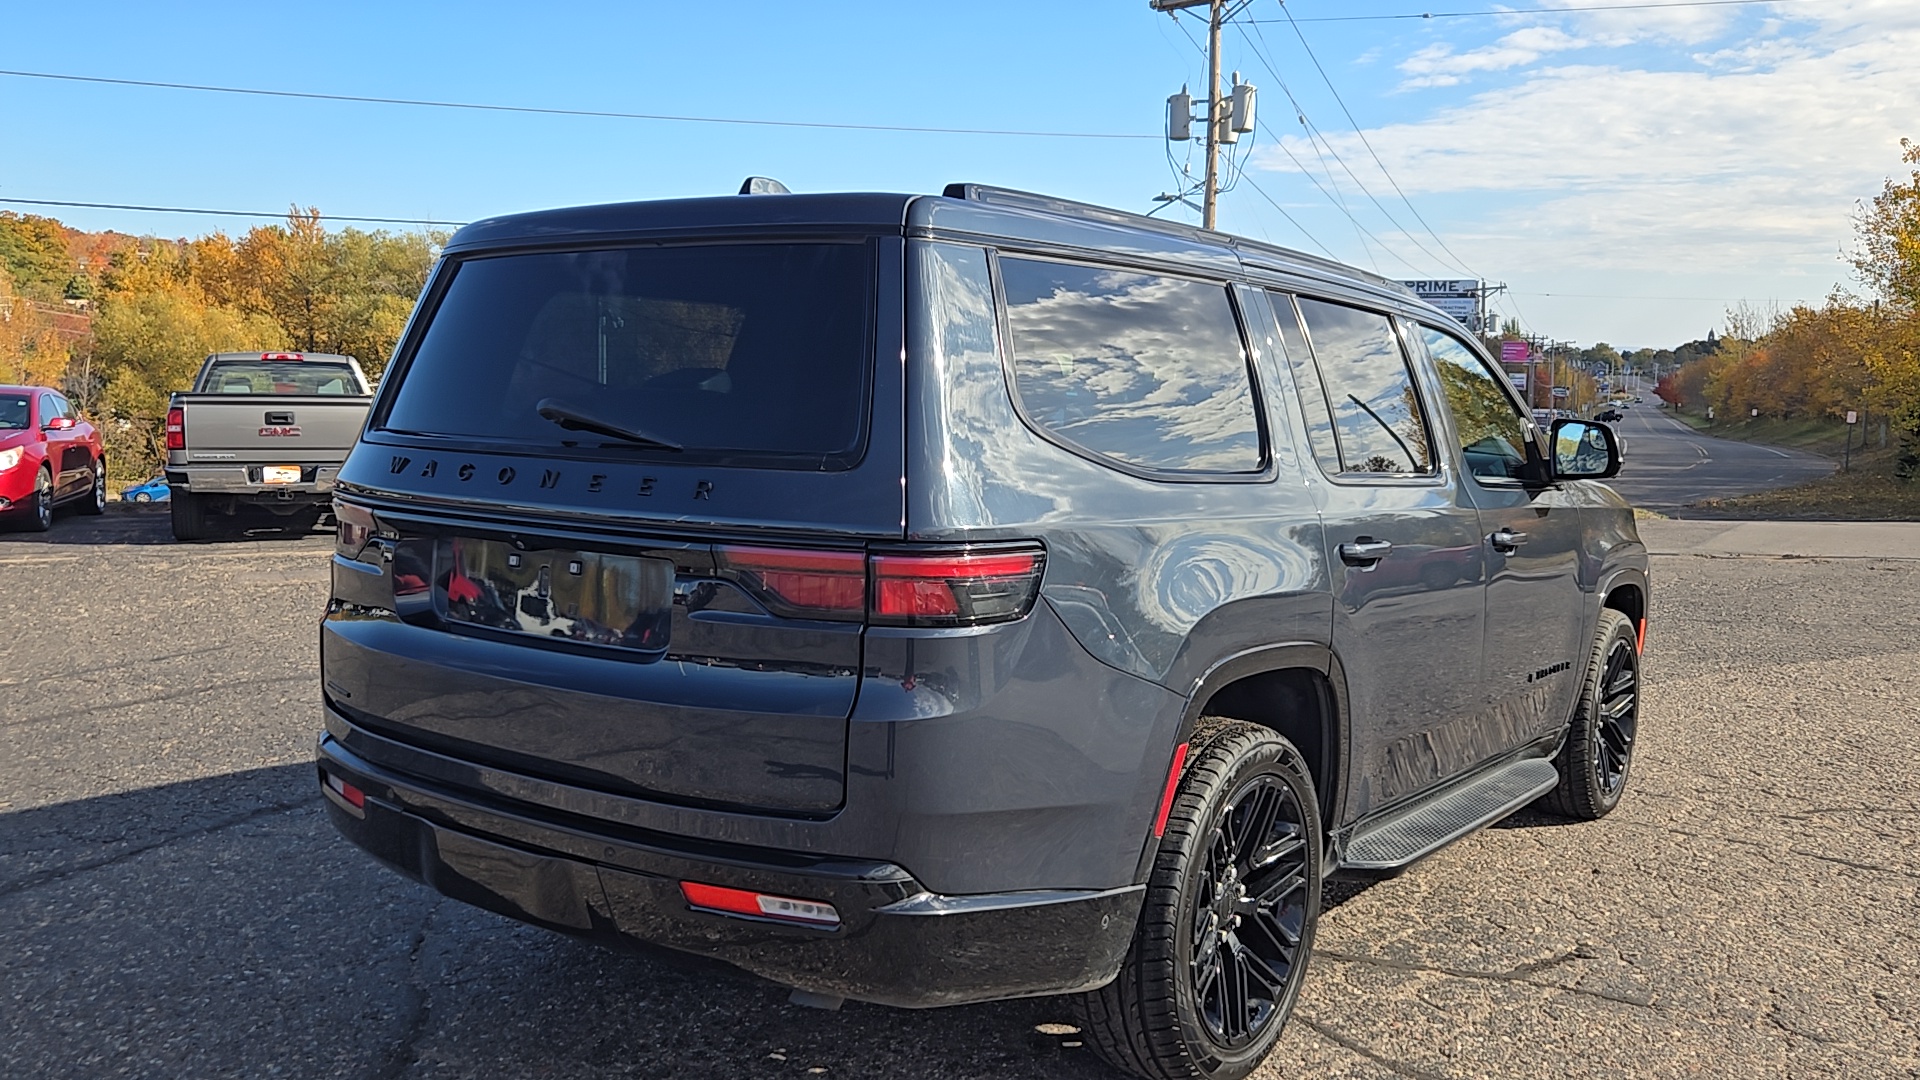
1428,826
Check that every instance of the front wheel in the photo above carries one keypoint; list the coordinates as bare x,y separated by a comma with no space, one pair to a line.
1598,752
1227,925
36,514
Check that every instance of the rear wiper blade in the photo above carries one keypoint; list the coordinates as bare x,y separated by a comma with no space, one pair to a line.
571,418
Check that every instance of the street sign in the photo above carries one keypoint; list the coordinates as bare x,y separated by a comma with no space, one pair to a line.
1852,417
1561,391
1513,352
1519,380
1459,298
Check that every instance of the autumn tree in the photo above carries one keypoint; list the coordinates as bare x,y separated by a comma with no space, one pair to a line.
31,351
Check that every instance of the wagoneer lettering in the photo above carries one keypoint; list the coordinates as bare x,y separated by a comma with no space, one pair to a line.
1052,638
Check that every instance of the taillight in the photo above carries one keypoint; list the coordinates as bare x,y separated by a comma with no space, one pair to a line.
801,584
354,529
950,588
957,589
176,429
281,356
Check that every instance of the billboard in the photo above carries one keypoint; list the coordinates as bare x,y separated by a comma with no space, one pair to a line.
1459,298
1514,352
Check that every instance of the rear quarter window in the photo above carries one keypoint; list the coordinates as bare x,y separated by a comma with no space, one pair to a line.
1146,370
755,351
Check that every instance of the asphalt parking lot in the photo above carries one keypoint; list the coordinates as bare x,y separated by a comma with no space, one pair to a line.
173,901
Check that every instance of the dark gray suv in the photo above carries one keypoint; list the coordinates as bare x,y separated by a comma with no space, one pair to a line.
927,600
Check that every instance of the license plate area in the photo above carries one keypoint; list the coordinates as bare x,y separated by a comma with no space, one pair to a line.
279,474
556,594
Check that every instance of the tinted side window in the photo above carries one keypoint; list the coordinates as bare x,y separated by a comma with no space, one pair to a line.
1376,410
1493,437
1313,401
1144,369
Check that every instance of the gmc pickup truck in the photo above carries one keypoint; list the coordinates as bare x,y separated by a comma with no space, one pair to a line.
267,430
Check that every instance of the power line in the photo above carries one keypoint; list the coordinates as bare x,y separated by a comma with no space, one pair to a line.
1531,11
1614,296
539,111
223,213
1462,263
1313,134
1283,213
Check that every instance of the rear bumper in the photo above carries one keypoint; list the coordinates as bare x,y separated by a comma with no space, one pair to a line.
244,481
897,943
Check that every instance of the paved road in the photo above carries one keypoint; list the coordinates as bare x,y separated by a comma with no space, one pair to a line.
1669,465
173,902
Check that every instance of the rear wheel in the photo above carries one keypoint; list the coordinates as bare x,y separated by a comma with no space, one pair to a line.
189,516
1598,752
141,496
1227,926
96,500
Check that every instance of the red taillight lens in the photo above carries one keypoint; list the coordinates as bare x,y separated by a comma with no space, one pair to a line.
963,589
759,905
960,588
355,528
803,584
281,356
176,429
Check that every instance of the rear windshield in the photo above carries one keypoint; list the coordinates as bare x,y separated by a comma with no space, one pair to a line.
280,377
750,351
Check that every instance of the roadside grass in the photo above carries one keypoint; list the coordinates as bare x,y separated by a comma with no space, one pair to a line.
1861,495
1868,491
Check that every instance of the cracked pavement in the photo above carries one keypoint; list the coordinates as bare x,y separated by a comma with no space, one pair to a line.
173,901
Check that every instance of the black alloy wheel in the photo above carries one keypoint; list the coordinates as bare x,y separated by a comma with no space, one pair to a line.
1226,927
1618,719
1249,913
1598,754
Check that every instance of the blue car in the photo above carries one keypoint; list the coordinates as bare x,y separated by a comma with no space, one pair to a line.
154,490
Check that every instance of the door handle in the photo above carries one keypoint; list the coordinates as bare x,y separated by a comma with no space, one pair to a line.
1506,539
1365,552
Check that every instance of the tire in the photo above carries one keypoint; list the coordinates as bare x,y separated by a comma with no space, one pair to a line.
95,501
142,496
1598,753
36,513
189,516
1220,908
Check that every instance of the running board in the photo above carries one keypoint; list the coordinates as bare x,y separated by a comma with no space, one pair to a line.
1428,826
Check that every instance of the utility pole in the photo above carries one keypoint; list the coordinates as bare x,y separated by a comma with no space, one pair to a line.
1227,118
1210,205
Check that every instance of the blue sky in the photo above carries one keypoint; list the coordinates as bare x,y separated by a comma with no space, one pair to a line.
1630,174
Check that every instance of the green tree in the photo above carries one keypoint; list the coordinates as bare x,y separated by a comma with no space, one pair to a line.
33,252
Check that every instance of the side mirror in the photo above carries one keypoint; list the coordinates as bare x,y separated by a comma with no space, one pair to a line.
59,423
1583,450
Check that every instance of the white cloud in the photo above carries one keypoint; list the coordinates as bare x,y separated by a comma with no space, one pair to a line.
1752,158
1439,65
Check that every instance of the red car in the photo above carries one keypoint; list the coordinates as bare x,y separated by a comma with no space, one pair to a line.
48,456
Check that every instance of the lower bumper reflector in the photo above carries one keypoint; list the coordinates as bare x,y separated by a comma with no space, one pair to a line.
755,905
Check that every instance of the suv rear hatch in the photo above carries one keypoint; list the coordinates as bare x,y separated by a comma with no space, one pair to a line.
608,526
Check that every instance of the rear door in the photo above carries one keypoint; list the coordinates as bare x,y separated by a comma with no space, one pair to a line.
628,493
1535,609
1403,542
